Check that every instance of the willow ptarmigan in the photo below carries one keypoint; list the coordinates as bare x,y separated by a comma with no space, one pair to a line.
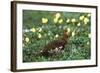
55,46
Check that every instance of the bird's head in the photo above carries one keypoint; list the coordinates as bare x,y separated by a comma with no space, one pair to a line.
67,33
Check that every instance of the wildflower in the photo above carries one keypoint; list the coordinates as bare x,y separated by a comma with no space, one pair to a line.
58,15
81,17
26,30
60,21
60,27
88,43
89,15
89,35
68,29
56,35
27,39
44,20
55,20
40,29
39,35
73,20
49,33
78,24
86,20
68,20
73,33
33,30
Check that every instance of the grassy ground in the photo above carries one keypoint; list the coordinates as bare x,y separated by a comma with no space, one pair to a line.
41,27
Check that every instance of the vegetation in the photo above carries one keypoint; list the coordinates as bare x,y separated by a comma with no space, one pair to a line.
41,27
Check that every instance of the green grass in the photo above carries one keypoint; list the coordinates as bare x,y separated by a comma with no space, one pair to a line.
37,34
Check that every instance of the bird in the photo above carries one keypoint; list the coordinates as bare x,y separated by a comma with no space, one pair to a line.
55,46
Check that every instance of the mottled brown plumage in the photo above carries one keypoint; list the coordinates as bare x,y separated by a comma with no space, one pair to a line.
55,46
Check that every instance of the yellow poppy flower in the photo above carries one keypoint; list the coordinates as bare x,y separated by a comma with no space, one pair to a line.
89,35
33,30
89,15
73,20
60,21
44,20
68,20
55,20
78,24
86,20
81,17
58,15
27,39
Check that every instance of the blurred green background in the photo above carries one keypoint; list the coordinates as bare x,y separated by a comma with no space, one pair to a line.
41,27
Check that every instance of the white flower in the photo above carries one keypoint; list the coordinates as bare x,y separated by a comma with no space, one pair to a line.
33,30
39,35
88,43
73,33
27,39
40,29
26,30
56,35
78,24
44,20
68,30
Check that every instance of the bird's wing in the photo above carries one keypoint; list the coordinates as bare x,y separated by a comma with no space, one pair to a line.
53,44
